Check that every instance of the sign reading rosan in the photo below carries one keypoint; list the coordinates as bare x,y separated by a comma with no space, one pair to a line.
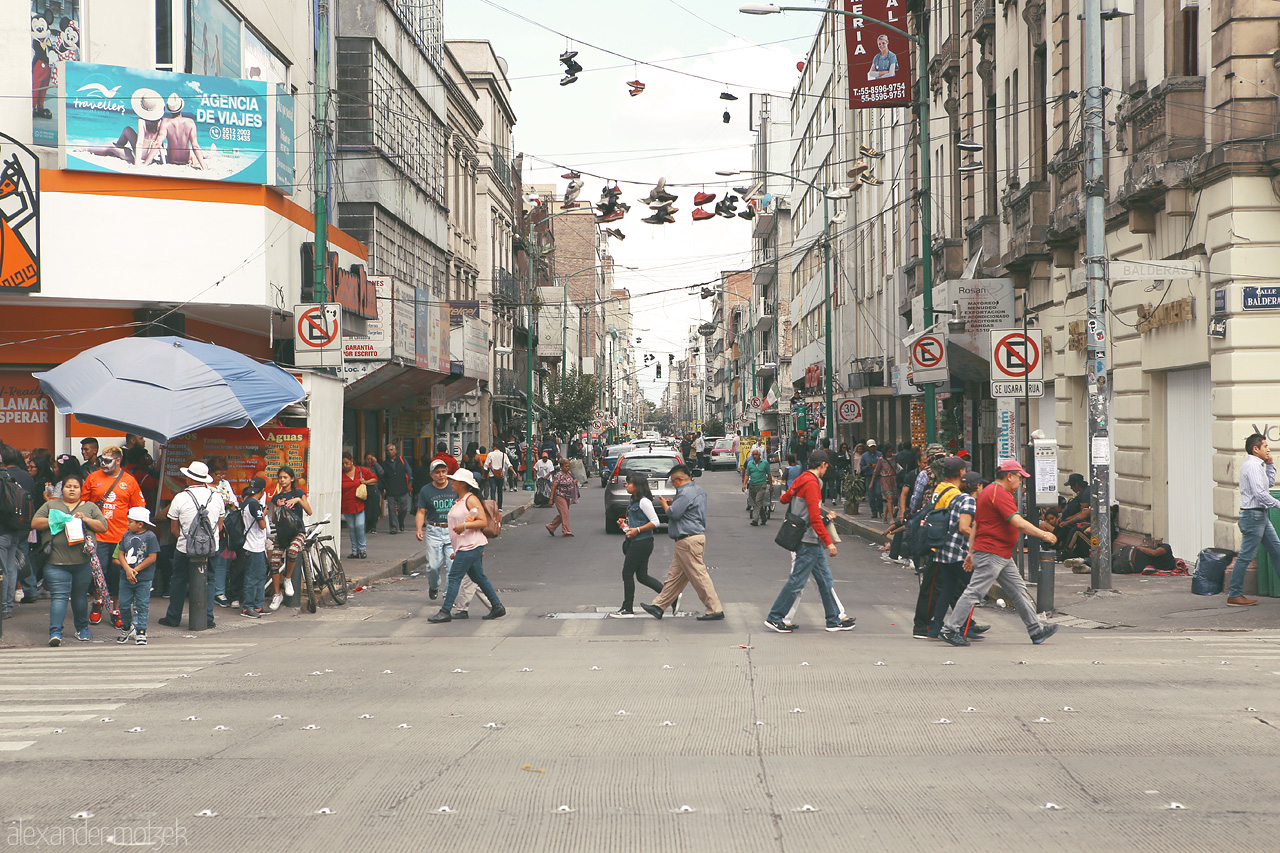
349,288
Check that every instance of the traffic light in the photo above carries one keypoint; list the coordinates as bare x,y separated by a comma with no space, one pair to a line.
659,375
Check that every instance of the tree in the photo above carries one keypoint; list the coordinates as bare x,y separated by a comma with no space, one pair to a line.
715,426
664,421
571,401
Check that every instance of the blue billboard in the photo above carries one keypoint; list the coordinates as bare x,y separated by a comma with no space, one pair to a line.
163,124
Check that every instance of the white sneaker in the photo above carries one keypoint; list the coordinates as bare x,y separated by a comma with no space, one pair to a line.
276,601
288,586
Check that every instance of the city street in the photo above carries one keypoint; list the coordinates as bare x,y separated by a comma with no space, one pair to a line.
553,729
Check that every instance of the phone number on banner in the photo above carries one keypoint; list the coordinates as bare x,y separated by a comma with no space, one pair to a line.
888,92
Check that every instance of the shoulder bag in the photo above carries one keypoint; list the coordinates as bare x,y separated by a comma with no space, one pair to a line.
362,491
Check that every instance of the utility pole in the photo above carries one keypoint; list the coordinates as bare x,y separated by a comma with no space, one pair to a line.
926,210
1096,318
530,250
320,283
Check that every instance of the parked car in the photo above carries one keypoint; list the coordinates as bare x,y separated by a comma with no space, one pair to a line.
611,454
724,453
655,464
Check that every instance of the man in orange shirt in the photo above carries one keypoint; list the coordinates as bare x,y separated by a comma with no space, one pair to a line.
115,491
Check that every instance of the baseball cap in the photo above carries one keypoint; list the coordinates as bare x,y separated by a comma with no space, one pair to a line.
954,465
971,478
871,442
1007,465
439,463
141,513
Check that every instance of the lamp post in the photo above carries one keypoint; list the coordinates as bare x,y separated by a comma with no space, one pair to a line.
827,194
921,41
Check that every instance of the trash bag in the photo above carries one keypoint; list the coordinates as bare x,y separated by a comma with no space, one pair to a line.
542,492
1211,571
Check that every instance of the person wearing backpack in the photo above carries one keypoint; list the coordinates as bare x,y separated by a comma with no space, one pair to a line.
17,508
195,516
804,499
944,563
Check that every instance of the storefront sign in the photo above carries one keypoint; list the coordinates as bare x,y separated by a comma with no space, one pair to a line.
1172,313
140,122
458,309
404,322
431,338
26,414
982,304
879,58
349,288
285,111
215,39
57,35
375,345
1006,429
248,454
19,218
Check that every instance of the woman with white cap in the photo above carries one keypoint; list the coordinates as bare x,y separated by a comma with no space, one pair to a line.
467,521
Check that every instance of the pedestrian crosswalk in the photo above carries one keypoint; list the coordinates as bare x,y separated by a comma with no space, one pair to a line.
46,691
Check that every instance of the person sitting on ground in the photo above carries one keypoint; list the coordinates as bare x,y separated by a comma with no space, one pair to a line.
1153,557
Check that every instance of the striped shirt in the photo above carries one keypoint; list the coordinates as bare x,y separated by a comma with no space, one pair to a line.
1256,479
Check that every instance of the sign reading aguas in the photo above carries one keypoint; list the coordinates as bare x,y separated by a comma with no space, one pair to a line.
879,58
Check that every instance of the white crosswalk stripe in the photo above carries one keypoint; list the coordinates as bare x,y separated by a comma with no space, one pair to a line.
46,690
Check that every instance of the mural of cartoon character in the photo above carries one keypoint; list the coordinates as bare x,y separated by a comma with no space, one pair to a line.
18,266
41,69
69,42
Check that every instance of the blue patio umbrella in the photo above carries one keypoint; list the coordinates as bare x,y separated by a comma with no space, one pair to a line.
166,387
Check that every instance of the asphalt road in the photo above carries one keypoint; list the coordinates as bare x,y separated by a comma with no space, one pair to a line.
366,728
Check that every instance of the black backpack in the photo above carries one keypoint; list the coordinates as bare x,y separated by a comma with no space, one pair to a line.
928,528
202,538
233,525
16,506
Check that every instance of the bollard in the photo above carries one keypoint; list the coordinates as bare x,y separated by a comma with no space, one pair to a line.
198,594
1044,589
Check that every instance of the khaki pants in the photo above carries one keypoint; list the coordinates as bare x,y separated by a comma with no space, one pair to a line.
687,568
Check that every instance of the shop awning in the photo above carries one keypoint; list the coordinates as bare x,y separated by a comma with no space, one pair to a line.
391,385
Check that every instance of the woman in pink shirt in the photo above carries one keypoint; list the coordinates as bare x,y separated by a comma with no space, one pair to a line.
467,521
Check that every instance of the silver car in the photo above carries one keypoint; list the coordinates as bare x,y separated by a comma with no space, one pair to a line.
655,464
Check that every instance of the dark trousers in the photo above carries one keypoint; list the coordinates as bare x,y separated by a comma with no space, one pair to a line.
895,547
875,500
940,586
178,587
635,567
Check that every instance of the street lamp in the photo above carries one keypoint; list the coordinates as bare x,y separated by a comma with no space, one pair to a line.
921,41
826,276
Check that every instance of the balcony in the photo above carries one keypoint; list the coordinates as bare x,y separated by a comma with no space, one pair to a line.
501,166
983,19
506,382
764,222
1027,215
764,315
506,288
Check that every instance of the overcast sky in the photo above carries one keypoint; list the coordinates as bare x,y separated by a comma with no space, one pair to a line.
673,130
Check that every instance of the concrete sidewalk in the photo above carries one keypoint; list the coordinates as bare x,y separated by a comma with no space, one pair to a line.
1148,602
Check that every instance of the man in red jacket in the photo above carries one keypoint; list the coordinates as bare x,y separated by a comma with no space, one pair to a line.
442,452
804,498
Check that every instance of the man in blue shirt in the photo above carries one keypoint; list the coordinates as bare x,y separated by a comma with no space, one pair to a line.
1257,476
687,525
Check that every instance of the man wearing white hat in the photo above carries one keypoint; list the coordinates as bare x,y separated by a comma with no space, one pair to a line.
198,496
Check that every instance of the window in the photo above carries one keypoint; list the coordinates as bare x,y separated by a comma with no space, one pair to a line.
164,35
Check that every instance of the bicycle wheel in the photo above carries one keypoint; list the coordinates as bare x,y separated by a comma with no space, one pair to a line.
334,576
309,592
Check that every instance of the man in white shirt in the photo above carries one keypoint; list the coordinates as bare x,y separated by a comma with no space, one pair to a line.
496,465
199,496
544,467
700,448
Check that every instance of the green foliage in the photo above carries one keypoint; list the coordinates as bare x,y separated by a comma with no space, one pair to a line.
715,426
571,401
854,489
664,421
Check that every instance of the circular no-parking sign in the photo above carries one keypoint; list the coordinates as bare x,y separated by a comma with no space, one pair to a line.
1016,355
318,328
927,352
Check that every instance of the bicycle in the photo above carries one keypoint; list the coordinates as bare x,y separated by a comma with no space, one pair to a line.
320,566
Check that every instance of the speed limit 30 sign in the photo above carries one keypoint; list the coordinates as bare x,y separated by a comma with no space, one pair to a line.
850,412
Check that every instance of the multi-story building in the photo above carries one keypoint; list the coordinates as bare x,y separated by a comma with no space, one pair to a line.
733,312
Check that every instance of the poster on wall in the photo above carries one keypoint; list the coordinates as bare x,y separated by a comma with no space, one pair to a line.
375,344
215,39
19,218
55,37
26,414
248,454
139,122
879,58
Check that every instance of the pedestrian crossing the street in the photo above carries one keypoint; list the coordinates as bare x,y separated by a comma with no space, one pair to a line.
44,692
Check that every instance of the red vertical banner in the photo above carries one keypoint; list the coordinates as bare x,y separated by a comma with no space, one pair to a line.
879,59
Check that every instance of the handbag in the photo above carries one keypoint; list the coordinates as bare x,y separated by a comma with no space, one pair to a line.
791,531
362,491
492,519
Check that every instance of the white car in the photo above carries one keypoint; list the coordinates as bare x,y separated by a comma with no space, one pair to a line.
724,453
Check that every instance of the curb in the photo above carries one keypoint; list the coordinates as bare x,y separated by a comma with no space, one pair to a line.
845,524
411,564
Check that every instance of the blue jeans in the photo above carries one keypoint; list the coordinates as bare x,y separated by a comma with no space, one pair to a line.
178,587
68,583
470,564
218,566
355,529
9,565
135,599
255,578
1255,530
110,571
810,560
438,548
